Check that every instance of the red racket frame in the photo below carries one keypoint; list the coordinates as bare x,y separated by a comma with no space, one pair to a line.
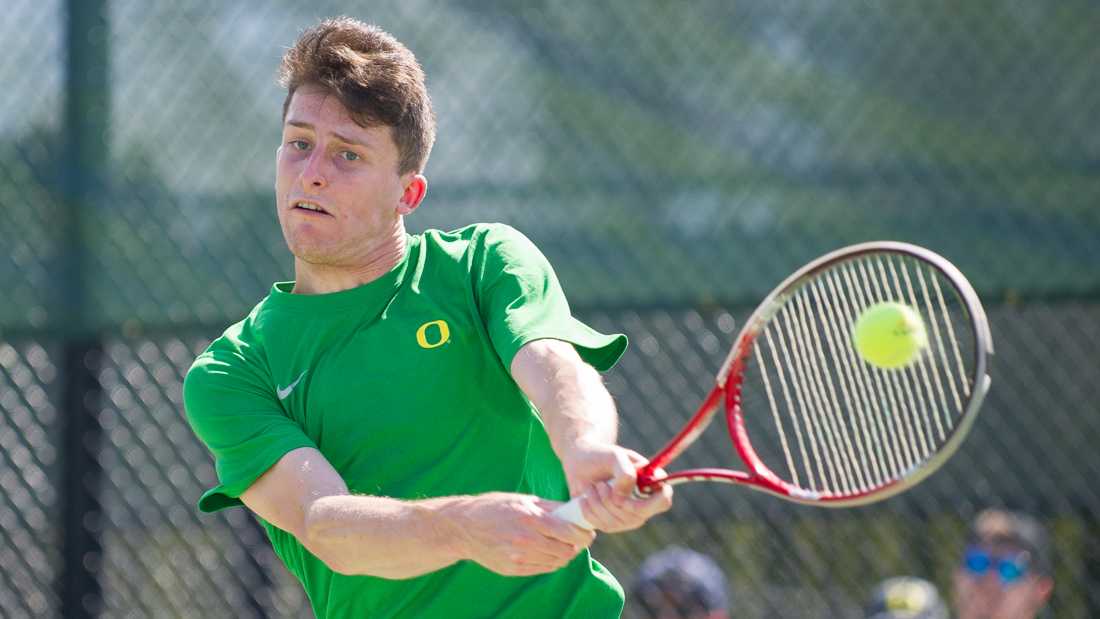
727,394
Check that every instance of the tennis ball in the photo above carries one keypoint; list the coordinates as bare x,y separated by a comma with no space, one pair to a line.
889,335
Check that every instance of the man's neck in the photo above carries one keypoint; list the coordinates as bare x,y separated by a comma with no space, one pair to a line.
321,279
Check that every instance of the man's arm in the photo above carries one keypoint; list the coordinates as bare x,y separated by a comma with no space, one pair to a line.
512,534
580,417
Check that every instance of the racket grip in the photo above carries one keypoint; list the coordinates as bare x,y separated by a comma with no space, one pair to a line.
571,512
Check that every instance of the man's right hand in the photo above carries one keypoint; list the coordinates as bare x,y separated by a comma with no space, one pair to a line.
515,534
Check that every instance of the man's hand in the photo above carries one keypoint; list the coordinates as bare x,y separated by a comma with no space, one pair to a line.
605,476
582,423
516,534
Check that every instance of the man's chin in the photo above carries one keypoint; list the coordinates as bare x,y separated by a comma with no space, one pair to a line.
313,254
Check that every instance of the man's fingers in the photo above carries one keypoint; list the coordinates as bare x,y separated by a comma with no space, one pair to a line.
547,551
656,475
557,529
606,507
626,473
637,459
518,564
657,501
523,567
605,485
541,552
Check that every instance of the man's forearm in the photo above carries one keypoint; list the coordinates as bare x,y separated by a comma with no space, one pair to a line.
580,409
580,418
569,394
378,536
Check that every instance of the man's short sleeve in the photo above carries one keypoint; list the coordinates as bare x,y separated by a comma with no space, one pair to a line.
520,301
234,413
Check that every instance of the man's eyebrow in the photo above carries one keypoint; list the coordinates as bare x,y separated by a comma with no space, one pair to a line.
339,136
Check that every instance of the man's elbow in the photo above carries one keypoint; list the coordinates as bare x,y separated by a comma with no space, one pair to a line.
337,558
317,536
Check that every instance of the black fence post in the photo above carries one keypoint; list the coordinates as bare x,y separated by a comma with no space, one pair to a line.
84,162
80,593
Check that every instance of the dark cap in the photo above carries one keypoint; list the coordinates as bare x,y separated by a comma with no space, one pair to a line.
906,597
684,579
998,527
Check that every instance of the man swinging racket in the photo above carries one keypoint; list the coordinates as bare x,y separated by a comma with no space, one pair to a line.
405,415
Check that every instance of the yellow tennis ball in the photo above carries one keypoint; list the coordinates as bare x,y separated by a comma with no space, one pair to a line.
889,335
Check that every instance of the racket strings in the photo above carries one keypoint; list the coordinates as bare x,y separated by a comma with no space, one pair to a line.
936,338
895,388
854,398
805,397
842,426
855,382
872,387
836,433
913,382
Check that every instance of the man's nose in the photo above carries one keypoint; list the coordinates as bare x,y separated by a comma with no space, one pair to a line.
314,174
991,580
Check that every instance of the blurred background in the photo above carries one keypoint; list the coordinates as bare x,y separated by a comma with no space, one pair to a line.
674,161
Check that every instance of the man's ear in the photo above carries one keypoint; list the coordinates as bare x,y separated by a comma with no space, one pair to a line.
416,187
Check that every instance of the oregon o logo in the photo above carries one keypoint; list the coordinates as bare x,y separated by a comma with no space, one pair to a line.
437,340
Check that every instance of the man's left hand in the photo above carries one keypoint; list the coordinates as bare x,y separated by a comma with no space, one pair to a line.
605,476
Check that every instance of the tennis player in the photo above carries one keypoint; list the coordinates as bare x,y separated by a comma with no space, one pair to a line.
404,415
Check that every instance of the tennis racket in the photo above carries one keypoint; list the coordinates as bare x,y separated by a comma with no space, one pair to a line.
815,423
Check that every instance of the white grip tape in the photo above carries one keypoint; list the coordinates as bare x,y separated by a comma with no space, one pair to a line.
571,512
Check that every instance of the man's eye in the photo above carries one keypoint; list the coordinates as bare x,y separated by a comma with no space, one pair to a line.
349,155
299,144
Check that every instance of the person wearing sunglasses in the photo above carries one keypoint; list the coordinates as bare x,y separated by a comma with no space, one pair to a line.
1005,568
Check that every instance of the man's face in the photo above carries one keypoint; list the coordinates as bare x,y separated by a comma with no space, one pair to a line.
987,595
326,161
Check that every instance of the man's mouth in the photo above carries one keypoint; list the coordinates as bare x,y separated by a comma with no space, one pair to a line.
306,205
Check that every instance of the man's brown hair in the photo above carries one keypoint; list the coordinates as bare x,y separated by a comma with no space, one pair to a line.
373,75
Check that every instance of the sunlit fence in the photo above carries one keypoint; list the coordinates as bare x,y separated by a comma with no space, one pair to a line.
673,162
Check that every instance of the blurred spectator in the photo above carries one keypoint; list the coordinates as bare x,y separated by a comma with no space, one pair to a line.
677,583
1005,571
906,597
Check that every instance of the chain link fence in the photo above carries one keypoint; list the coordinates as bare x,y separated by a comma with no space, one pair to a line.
674,162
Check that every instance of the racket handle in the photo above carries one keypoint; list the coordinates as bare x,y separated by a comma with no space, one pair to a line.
571,512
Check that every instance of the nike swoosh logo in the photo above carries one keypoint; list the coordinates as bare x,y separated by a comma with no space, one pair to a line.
284,392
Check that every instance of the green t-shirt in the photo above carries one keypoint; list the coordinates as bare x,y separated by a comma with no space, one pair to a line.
404,385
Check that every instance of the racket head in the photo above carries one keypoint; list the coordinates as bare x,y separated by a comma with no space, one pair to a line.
842,432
